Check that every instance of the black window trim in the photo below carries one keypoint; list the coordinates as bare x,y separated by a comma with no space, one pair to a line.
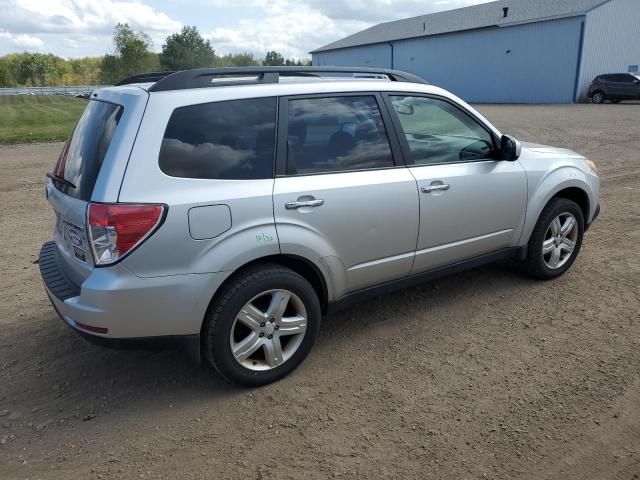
406,150
282,148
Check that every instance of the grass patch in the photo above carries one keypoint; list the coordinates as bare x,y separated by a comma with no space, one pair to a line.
38,118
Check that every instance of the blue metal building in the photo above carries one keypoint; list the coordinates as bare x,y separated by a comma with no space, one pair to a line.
509,51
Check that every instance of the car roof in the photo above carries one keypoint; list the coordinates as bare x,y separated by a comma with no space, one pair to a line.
288,85
304,86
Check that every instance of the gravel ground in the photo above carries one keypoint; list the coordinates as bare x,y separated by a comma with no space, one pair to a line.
486,374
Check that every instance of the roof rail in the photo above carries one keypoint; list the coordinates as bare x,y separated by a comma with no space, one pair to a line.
144,78
217,77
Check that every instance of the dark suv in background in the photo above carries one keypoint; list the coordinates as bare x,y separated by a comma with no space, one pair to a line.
615,87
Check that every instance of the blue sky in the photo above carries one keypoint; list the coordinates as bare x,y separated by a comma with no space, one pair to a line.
75,28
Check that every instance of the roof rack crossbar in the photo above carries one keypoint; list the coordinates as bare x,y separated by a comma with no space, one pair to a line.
214,77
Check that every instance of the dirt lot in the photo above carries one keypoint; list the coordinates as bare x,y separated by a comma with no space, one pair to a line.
485,374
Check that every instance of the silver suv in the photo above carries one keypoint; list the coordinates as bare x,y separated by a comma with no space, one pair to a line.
236,207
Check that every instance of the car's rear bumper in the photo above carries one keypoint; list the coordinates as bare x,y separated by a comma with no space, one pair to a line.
114,304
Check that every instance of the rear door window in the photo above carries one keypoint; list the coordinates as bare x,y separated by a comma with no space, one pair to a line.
84,152
231,140
336,134
621,78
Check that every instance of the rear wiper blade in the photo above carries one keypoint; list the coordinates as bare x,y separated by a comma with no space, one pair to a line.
58,178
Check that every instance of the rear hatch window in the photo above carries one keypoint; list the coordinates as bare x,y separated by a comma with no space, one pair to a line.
84,152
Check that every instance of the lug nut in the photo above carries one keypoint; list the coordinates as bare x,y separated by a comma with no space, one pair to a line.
270,337
272,320
276,327
262,324
261,335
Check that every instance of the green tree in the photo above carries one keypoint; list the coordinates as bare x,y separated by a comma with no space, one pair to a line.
37,69
132,55
273,58
6,75
47,70
187,49
85,71
236,60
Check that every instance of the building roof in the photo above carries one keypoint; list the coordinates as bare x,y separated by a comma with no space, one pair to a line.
485,15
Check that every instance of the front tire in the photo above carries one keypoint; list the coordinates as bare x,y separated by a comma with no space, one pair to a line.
556,239
261,326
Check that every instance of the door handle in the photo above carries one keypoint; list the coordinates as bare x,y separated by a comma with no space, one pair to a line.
434,188
304,203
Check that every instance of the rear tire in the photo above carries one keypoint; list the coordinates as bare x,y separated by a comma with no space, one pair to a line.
555,242
261,326
598,97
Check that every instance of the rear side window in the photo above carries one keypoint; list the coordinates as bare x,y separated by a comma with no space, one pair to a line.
336,134
84,152
231,140
622,78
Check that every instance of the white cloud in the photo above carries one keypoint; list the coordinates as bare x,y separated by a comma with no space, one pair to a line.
75,22
27,41
376,11
21,41
295,27
70,43
292,33
87,16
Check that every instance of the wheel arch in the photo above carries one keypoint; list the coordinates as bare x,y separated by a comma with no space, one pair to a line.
573,189
302,266
577,195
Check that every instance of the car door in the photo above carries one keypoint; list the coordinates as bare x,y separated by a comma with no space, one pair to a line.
470,203
339,196
633,82
622,86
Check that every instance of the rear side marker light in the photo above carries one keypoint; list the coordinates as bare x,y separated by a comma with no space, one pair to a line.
116,229
91,328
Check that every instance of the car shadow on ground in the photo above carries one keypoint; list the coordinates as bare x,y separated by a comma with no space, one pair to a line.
501,279
51,374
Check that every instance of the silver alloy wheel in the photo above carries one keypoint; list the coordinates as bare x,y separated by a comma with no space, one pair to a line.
268,330
560,240
597,97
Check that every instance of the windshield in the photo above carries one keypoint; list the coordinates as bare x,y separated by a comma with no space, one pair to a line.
84,152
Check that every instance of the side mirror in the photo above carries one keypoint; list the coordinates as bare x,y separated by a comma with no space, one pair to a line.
404,109
510,148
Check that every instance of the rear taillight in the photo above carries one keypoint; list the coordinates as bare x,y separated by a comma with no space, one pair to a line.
116,229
